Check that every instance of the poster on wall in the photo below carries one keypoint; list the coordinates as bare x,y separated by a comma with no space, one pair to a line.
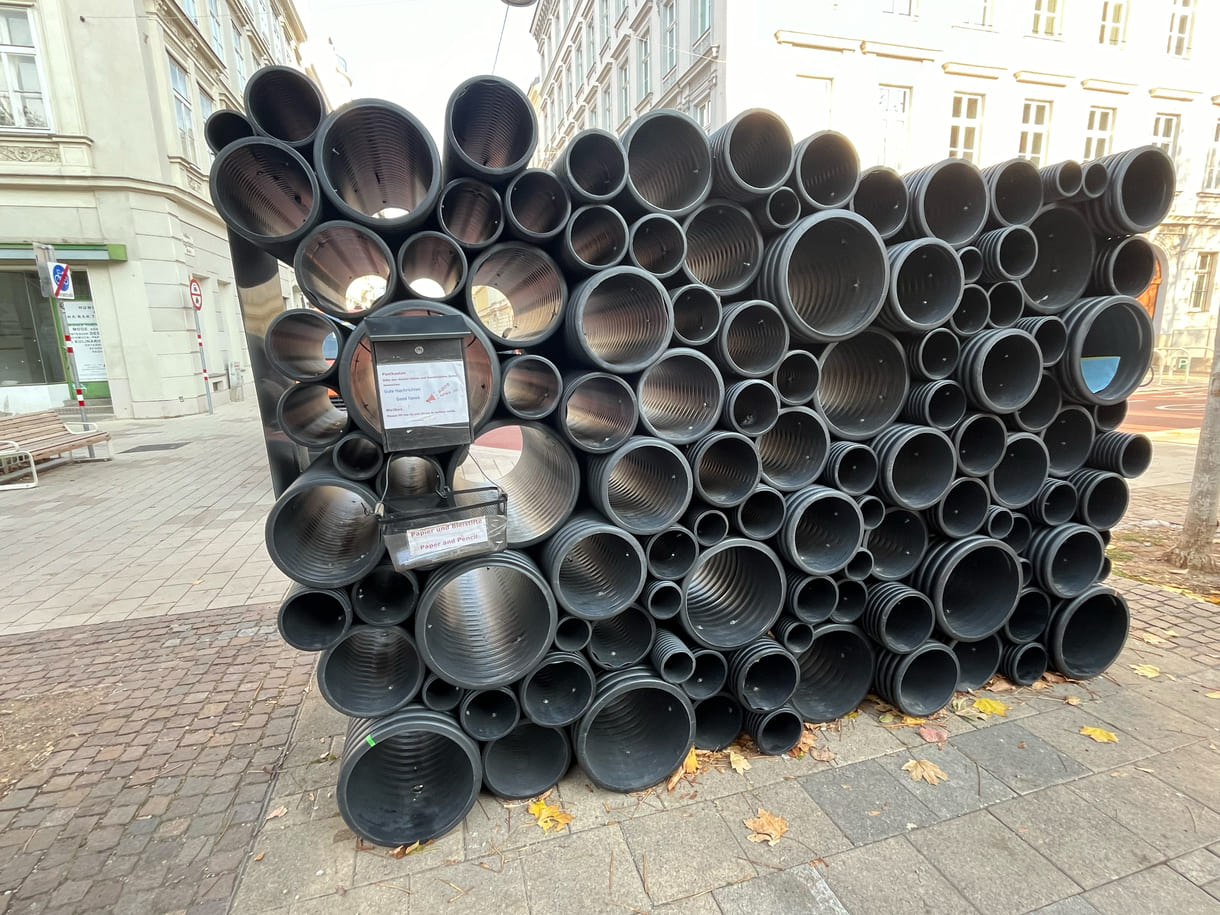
81,322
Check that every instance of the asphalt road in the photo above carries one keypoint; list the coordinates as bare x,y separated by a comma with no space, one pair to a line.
1153,408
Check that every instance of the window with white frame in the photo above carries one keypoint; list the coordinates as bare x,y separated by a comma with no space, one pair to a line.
188,7
703,17
643,62
215,33
1047,16
701,111
181,86
239,56
978,13
603,15
22,103
624,91
1211,169
1165,131
1202,279
591,51
894,109
620,7
607,109
1181,24
206,105
580,62
1099,132
591,113
966,126
567,88
1113,23
898,7
1035,131
669,36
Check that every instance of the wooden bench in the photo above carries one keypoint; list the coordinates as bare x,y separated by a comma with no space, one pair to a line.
30,438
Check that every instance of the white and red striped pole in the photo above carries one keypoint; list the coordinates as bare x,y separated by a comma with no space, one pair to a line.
203,362
76,383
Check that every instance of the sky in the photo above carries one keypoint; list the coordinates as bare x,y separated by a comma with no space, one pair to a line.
415,52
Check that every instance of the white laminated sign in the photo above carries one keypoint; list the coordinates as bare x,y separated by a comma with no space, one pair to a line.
447,537
415,394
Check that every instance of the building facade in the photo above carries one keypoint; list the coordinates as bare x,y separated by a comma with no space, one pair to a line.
914,81
102,155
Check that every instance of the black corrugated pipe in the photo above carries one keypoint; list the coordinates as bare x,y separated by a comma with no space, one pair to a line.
372,671
796,377
486,621
490,130
680,396
322,530
828,274
709,525
385,597
1065,260
643,486
963,508
939,404
572,633
1109,416
810,598
881,197
761,515
1018,538
921,682
898,544
1138,194
822,530
1066,559
226,126
656,243
621,640
933,354
1103,497
794,634
1087,633
979,441
439,695
752,340
594,569
1109,349
863,385
542,481
916,465
1027,568
406,475
734,593
860,566
776,731
949,200
1024,664
763,675
1050,334
595,238
314,619
1124,266
390,763
285,104
1094,181
297,341
357,456
1061,181
751,406
1107,566
536,206
726,468
1122,453
432,265
597,411
825,171
777,212
1014,193
1029,618
1042,408
489,714
592,166
718,722
516,294
999,522
723,247
636,733
1054,504
973,312
872,510
669,165
671,553
898,618
1005,303
925,285
526,762
1068,439
793,452
619,320
1017,478
850,603
708,678
338,262
672,659
977,662
696,312
558,691
1008,253
973,584
471,212
266,193
530,386
836,673
662,599
377,165
971,259
1000,369
751,155
850,467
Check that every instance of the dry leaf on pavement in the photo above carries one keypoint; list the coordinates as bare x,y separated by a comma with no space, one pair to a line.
1000,684
963,706
403,850
738,762
1146,670
277,812
766,827
259,856
1072,700
1215,695
1099,735
923,770
548,815
1151,638
991,707
934,733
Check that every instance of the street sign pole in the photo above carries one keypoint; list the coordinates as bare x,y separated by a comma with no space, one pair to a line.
76,384
196,295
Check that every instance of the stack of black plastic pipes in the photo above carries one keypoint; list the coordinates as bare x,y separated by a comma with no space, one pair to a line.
788,431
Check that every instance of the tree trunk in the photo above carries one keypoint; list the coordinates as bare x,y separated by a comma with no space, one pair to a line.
1194,549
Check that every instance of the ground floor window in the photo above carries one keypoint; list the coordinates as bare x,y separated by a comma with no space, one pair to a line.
29,336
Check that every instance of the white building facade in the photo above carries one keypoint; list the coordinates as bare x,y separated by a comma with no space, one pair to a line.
912,82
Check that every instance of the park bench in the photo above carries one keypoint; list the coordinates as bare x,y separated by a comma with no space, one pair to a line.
28,439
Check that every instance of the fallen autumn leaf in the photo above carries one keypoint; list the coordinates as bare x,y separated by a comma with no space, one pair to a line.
1071,700
738,763
933,733
1146,670
923,770
766,827
277,812
548,815
991,707
1100,735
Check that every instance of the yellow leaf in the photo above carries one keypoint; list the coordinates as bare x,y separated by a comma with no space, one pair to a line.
961,705
766,827
259,856
909,721
1072,700
738,762
923,770
691,764
1151,638
854,713
1099,735
1215,695
1146,670
548,816
991,707
886,718
277,812
403,850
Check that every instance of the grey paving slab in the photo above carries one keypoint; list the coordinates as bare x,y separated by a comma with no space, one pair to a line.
1192,770
891,877
495,826
594,866
1165,818
801,889
860,739
1200,866
287,876
991,866
811,833
866,802
968,787
706,786
375,864
1158,889
1082,841
685,852
1152,722
375,899
703,904
1016,757
468,889
592,806
1074,905
1060,728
